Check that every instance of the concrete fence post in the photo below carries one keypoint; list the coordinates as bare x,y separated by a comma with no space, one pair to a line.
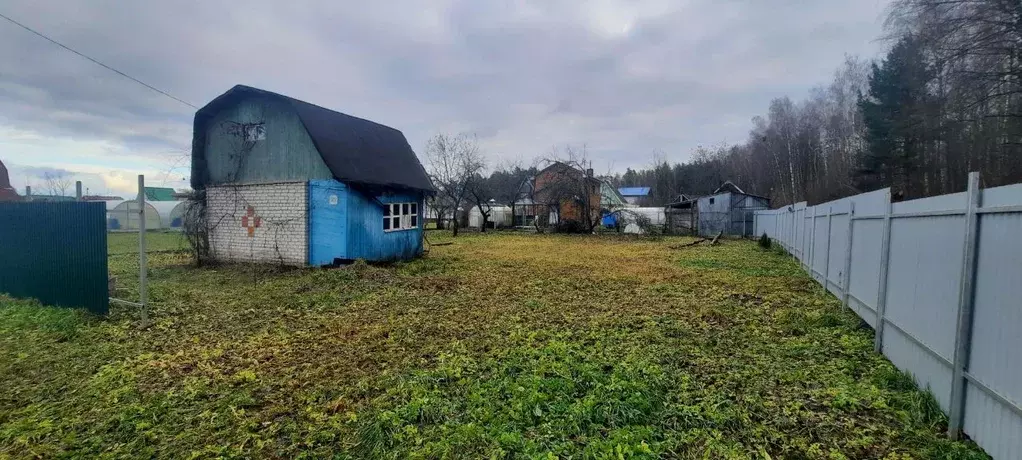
143,293
847,275
78,190
966,296
885,258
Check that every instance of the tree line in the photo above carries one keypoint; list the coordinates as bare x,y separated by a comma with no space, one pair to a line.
944,100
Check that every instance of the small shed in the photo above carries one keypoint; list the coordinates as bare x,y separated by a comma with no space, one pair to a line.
728,210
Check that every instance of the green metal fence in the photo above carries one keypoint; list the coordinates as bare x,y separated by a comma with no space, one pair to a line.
55,252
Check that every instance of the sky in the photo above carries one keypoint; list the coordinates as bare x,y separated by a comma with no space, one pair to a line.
527,77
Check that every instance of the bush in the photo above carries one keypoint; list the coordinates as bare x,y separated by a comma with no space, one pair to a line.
764,241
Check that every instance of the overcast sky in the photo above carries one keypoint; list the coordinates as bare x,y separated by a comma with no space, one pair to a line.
526,76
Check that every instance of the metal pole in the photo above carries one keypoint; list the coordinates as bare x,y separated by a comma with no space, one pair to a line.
143,295
967,292
826,255
845,283
78,190
885,259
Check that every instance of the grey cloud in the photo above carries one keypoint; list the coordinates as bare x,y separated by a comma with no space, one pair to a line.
42,172
626,78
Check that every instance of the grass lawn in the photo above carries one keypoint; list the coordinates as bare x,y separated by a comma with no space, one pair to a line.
499,345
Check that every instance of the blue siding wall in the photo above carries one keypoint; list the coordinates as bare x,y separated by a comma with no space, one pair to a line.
328,224
366,238
353,227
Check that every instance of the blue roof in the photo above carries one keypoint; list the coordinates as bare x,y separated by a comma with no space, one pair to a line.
633,191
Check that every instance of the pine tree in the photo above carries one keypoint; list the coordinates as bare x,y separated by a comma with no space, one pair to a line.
893,113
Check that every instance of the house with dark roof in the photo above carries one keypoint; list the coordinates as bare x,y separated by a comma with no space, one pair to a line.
290,182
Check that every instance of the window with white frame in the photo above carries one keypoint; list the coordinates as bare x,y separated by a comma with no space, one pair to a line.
400,216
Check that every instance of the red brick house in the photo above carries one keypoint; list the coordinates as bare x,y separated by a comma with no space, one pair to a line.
563,193
7,193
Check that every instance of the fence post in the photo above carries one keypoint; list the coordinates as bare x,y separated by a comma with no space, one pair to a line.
885,258
812,248
963,331
791,230
826,255
142,288
78,190
845,283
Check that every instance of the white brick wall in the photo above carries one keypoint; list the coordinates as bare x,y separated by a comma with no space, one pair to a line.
281,236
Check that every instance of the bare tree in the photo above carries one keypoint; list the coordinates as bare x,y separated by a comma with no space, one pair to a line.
510,183
58,183
570,190
481,192
452,163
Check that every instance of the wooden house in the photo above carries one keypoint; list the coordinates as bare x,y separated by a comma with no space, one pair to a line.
286,181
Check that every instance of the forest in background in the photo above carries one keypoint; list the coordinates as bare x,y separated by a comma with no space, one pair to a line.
943,101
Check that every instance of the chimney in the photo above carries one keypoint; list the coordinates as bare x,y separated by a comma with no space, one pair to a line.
78,190
28,190
589,172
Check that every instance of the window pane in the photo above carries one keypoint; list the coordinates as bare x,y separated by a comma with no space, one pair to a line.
415,208
397,209
415,221
386,223
396,223
386,210
404,208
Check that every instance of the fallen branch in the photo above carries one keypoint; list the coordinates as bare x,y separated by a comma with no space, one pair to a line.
679,246
447,243
714,242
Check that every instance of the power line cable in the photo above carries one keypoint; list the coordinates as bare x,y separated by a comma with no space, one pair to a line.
97,62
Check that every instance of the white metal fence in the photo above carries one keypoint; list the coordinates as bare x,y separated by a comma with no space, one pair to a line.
940,280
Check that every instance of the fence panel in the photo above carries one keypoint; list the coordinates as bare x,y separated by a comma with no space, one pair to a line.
997,319
55,252
867,239
913,295
835,268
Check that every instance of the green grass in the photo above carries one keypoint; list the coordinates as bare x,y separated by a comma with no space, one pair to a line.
127,242
496,346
